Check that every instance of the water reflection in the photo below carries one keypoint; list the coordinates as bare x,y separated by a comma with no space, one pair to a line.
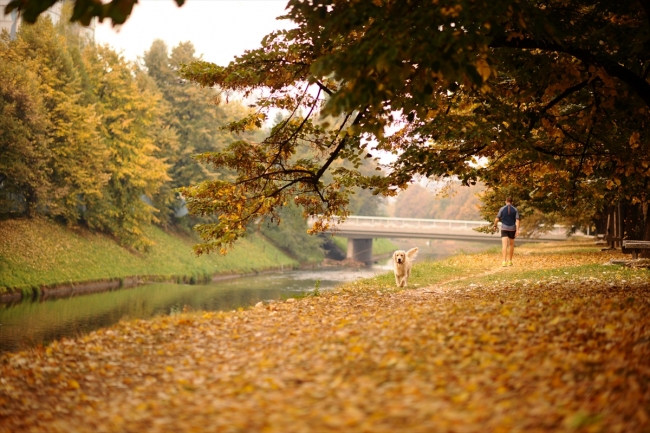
31,323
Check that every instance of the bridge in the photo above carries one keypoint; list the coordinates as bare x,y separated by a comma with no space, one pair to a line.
361,230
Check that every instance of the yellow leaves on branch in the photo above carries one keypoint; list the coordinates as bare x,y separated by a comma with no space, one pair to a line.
451,11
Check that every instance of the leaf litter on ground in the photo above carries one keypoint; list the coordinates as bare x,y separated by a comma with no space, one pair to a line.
557,342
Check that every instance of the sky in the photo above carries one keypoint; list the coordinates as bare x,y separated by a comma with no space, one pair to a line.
219,29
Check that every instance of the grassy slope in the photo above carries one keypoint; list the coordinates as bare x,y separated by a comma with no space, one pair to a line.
379,246
37,252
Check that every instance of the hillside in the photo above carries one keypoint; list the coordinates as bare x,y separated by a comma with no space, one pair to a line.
39,252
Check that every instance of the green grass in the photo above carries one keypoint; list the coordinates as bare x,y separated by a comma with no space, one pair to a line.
382,246
534,264
39,252
428,273
340,242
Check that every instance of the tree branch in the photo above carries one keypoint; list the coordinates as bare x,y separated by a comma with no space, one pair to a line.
277,155
574,187
338,149
311,110
265,174
563,95
551,153
645,74
534,117
640,86
291,183
324,88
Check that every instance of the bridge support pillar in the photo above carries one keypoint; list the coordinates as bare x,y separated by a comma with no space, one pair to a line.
360,250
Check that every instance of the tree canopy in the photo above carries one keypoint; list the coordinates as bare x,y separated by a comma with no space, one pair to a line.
89,138
546,100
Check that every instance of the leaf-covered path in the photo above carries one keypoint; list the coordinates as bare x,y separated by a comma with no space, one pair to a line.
556,343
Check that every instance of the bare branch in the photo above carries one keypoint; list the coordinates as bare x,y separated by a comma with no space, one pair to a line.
294,110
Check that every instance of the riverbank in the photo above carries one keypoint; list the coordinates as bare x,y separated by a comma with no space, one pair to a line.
38,256
558,342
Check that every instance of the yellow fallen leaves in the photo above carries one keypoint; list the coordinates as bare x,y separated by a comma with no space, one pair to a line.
552,355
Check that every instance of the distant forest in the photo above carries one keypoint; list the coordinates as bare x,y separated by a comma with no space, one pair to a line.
88,138
453,202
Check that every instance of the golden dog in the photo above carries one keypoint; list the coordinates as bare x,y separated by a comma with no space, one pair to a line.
402,262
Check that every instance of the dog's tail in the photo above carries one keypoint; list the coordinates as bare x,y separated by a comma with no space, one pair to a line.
412,253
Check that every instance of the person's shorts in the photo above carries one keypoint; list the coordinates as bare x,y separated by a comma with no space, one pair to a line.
508,234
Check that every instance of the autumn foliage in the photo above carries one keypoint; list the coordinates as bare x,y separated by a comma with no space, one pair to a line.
88,138
544,101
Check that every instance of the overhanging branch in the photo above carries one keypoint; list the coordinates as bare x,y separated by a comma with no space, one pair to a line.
338,149
563,95
635,82
324,88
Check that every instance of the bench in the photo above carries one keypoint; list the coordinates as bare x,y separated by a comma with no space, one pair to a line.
633,247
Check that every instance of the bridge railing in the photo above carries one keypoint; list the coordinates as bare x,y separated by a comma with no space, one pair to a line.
413,223
427,224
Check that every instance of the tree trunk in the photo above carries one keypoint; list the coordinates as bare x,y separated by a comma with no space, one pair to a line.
636,223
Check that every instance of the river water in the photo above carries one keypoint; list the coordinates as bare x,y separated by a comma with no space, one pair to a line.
33,322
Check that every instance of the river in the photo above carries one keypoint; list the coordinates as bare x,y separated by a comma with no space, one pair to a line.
33,322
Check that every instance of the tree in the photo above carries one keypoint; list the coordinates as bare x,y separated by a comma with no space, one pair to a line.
70,162
547,98
129,114
193,113
451,201
517,94
23,140
77,154
165,199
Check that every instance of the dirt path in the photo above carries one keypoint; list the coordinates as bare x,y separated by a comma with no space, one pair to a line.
438,288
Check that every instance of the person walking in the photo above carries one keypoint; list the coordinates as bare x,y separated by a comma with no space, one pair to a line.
509,217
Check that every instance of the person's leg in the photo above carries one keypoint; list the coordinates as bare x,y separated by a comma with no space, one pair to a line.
504,248
512,248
